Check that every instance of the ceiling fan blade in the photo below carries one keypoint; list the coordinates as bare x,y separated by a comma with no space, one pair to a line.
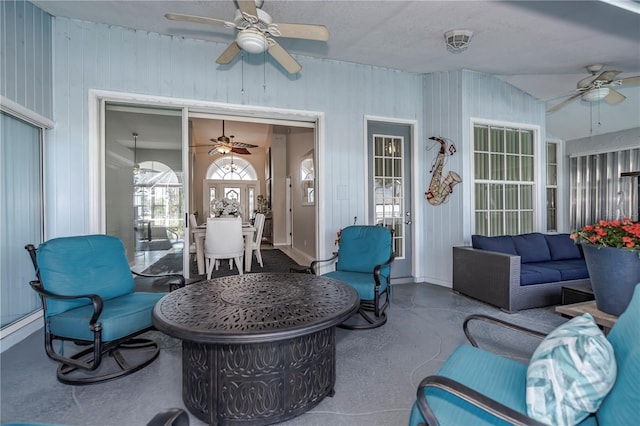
229,53
303,31
586,82
630,80
243,145
283,57
248,7
198,20
614,97
239,150
563,103
607,76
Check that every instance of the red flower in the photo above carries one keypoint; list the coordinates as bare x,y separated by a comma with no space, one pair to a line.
615,233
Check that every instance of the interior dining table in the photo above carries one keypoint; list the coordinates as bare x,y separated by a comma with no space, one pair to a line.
199,234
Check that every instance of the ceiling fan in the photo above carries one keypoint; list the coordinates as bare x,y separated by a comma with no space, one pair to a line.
225,144
256,32
599,87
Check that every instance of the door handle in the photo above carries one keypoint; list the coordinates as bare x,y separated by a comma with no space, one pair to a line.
408,221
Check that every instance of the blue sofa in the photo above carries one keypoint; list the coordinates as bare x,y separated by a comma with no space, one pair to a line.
515,272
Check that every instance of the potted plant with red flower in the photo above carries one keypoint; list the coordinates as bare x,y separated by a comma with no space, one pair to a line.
612,253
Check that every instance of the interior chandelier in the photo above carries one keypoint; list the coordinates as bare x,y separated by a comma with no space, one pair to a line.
231,167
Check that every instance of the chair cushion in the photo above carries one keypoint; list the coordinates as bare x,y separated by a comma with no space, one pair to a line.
364,247
531,247
621,405
120,317
570,269
90,264
534,273
497,377
570,373
501,244
362,282
562,247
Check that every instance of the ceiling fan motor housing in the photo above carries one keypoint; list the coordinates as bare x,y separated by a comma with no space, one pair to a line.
252,37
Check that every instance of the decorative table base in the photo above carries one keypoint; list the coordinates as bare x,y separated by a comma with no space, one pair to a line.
258,383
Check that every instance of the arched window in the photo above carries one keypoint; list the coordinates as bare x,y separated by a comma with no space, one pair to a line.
231,168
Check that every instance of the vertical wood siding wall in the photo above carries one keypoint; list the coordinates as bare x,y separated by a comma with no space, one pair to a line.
96,56
25,65
451,100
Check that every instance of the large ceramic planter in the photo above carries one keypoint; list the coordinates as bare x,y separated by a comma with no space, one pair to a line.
614,273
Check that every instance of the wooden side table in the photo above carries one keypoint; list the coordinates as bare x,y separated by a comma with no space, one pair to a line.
603,319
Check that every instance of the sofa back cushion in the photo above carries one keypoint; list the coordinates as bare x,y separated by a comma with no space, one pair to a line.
531,247
501,244
562,247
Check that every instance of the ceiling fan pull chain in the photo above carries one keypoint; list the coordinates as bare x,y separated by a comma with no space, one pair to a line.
264,71
242,73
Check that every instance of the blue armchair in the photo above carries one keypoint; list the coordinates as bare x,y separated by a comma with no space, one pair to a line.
480,388
89,302
364,262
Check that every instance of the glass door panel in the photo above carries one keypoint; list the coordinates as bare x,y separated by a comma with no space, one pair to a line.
144,185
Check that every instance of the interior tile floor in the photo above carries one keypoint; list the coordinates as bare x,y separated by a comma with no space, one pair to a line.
377,370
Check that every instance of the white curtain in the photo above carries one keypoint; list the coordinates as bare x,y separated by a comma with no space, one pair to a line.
598,192
21,215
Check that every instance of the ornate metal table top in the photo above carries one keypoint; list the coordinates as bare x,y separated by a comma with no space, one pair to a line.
254,308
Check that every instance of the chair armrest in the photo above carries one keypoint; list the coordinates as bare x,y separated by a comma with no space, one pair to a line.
499,322
486,275
170,417
465,393
96,300
179,277
317,262
376,269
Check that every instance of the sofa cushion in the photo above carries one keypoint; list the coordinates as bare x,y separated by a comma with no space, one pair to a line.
572,269
501,244
531,247
534,273
570,373
562,247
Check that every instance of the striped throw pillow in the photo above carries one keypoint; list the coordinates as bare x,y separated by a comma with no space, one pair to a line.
570,373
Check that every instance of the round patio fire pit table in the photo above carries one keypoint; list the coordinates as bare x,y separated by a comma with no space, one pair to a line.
256,348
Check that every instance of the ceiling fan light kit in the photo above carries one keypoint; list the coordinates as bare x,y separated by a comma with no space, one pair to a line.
252,41
595,95
457,40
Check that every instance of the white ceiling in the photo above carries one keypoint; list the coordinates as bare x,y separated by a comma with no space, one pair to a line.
542,47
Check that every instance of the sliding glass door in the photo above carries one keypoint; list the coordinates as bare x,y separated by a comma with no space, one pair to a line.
144,185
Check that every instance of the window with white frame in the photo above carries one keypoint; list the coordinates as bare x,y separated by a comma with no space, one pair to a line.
231,168
504,164
552,186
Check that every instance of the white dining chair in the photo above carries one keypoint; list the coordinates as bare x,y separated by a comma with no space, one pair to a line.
223,240
258,223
